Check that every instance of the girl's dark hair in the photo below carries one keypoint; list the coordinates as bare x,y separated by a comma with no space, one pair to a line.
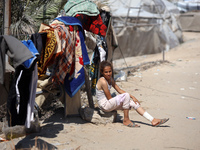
104,64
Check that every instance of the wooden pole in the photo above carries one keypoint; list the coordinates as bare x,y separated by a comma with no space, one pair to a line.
88,89
7,16
7,20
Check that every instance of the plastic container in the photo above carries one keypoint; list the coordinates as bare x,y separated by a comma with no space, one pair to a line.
121,76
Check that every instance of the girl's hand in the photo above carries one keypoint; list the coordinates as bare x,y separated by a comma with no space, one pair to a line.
134,99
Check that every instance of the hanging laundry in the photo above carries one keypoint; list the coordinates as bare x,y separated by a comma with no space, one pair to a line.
93,24
21,99
87,12
32,96
99,55
102,47
64,58
74,21
29,44
105,16
39,40
94,69
80,7
33,82
20,95
110,39
76,77
47,54
17,51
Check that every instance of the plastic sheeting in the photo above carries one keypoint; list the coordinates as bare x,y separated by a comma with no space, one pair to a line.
190,21
144,26
186,6
137,41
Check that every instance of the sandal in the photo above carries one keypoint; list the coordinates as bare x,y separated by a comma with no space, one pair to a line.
132,125
162,121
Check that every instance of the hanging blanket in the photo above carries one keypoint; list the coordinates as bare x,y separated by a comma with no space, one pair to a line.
75,77
74,21
47,54
93,24
64,59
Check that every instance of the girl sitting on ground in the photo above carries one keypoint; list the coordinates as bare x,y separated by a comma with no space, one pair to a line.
123,101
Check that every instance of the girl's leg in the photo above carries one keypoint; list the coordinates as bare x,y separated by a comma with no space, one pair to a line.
127,121
146,115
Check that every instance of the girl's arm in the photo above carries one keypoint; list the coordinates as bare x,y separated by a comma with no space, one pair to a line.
116,87
120,91
104,87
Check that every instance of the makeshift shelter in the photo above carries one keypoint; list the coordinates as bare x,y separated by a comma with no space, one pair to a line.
187,5
144,26
190,21
189,17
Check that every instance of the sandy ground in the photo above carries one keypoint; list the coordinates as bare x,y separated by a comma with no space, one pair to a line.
168,90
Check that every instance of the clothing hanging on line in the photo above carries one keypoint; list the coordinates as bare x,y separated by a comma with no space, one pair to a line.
75,78
21,99
17,51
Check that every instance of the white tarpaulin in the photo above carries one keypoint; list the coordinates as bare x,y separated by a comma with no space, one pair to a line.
190,21
144,26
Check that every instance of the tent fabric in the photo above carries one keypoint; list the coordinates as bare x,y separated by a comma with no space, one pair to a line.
186,6
135,22
143,42
190,21
143,8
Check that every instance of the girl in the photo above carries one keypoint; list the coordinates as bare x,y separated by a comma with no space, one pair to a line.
121,101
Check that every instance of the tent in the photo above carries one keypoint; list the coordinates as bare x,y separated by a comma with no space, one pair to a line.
189,17
144,26
187,5
190,21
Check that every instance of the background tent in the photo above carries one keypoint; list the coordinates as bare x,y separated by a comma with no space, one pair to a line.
187,5
190,21
189,17
144,26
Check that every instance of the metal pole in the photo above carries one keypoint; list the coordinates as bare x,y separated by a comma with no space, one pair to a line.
7,16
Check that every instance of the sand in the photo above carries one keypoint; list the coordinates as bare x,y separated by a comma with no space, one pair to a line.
166,90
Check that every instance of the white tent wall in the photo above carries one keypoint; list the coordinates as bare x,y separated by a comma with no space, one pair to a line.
137,41
190,16
190,21
137,21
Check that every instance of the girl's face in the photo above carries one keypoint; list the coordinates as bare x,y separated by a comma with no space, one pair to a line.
107,72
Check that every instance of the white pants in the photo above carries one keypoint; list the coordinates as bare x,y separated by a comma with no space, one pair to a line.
119,102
